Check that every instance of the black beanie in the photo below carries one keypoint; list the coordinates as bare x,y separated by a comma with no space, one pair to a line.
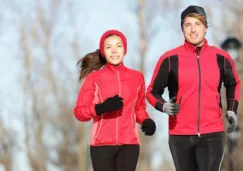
192,9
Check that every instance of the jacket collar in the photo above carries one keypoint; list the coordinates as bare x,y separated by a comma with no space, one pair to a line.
115,68
193,48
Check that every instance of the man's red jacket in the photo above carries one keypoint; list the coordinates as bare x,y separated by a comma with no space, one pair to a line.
195,80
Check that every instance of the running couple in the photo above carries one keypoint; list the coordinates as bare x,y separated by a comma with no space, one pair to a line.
114,97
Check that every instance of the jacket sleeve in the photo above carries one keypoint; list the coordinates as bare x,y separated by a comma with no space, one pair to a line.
158,83
85,109
232,84
141,113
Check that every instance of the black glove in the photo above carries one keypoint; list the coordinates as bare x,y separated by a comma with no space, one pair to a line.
148,127
171,107
233,120
109,105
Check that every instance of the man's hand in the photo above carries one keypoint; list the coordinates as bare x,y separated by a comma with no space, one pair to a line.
171,107
233,120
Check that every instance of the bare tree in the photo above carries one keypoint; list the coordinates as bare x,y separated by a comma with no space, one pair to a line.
143,163
38,117
65,151
82,156
147,13
6,147
27,96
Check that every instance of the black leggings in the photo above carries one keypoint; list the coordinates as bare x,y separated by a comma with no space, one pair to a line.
114,158
194,153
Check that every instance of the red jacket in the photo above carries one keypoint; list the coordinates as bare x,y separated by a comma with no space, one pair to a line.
118,127
195,79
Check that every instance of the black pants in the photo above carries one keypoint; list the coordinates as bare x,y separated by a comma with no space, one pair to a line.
194,153
114,158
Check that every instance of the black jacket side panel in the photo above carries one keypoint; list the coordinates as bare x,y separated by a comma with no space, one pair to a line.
160,83
173,76
220,61
228,77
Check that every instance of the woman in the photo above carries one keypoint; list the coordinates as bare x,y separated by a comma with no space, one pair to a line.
114,97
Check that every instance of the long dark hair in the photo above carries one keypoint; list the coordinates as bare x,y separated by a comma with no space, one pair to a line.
90,62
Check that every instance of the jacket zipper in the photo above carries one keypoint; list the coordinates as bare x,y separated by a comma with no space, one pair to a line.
117,114
199,94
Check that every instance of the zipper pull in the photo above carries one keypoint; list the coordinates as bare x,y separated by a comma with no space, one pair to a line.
198,134
197,56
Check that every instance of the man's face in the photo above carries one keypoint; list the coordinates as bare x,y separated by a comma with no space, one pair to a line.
194,31
114,50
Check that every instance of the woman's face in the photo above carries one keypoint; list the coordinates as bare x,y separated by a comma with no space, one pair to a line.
114,50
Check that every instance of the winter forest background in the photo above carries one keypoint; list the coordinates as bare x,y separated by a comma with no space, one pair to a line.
40,43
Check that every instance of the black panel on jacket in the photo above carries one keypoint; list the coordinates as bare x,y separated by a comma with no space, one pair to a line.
160,82
228,77
220,61
173,76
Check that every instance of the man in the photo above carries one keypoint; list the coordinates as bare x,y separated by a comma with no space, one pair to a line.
194,73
